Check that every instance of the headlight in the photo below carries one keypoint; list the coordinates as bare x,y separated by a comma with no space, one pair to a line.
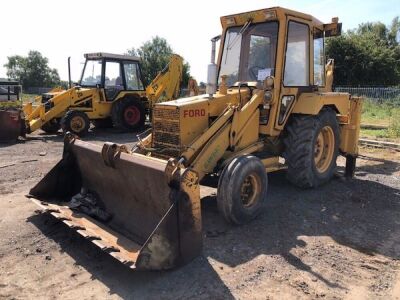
269,83
267,97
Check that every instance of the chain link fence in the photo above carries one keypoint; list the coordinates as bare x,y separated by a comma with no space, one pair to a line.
379,94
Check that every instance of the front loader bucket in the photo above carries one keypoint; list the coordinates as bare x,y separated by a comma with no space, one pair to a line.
141,220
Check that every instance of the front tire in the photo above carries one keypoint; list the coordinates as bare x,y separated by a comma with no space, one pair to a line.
128,114
311,148
51,127
242,189
76,122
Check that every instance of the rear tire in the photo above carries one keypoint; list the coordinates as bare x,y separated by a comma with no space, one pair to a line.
311,148
242,189
128,114
51,127
76,122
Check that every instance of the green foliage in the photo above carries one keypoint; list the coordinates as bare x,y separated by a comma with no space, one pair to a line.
32,71
28,97
369,55
64,84
394,123
155,55
387,114
374,113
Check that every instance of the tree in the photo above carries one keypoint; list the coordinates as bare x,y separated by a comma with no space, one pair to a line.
368,55
155,55
32,71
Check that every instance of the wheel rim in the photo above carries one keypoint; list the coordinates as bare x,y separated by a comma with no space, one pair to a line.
250,189
132,115
323,149
77,124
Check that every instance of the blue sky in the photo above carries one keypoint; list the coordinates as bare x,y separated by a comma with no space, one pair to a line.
62,28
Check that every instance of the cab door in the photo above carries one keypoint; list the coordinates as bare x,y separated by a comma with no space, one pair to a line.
296,73
113,79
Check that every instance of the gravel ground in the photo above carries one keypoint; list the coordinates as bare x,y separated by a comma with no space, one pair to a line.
340,241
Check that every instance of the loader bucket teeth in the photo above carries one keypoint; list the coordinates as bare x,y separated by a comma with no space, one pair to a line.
153,223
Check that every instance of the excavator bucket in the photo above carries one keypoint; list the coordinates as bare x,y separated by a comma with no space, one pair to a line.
125,204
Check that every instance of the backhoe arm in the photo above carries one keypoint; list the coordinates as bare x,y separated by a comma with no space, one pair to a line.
166,85
329,67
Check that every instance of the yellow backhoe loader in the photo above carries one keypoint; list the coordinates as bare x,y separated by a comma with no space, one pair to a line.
110,92
269,106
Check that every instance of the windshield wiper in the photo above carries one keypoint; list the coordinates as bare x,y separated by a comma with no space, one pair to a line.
241,31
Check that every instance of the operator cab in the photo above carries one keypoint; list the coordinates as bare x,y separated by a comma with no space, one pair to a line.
285,46
113,72
250,46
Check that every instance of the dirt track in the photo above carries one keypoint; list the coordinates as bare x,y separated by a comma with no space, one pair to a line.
339,241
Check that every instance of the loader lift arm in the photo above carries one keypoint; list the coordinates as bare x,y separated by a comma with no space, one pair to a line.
225,133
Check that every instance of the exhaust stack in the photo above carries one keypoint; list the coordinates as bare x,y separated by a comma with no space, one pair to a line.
69,72
211,87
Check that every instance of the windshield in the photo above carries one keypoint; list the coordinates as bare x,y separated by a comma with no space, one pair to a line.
91,75
249,56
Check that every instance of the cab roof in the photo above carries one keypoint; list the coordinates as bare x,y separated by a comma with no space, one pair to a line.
99,55
272,13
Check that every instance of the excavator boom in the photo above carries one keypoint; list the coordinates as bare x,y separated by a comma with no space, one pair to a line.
166,85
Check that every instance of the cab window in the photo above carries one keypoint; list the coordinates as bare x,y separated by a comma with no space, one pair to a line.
132,76
113,76
92,73
319,58
297,57
249,52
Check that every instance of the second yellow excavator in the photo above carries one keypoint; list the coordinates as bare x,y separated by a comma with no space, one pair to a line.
110,93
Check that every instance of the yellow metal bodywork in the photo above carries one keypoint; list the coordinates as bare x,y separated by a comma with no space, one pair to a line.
89,100
350,133
283,16
190,138
312,103
209,131
93,101
202,144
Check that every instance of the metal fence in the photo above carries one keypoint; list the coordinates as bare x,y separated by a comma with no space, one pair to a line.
36,90
376,93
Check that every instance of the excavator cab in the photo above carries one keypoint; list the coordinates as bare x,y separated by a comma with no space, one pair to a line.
113,73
